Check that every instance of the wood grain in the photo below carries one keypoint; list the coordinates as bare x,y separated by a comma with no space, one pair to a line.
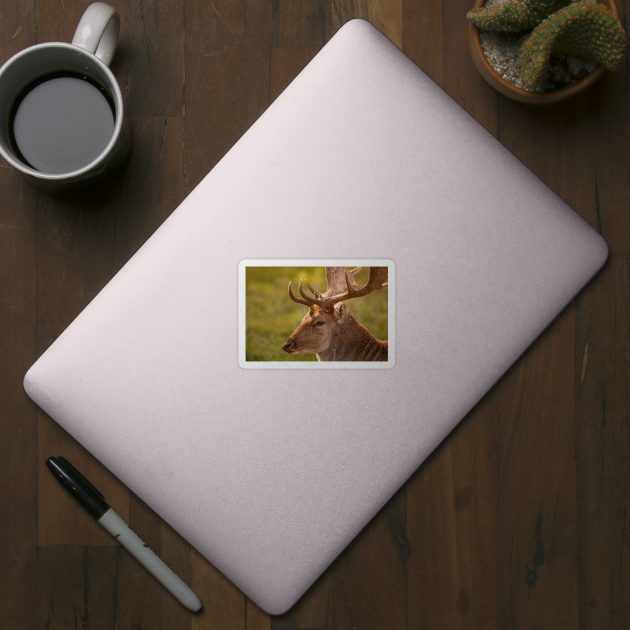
71,593
18,416
154,57
609,133
299,24
602,380
537,510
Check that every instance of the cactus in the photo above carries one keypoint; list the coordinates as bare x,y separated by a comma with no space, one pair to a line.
513,16
584,29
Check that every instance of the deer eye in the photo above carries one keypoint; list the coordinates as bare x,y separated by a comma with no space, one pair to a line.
319,324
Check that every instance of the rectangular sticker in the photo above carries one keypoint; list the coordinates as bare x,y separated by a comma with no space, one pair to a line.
316,314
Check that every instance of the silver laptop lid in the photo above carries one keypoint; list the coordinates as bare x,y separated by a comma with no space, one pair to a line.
270,473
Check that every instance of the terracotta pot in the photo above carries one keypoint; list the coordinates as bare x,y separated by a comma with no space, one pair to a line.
518,94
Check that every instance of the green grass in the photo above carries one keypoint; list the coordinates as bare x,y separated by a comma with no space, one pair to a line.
271,315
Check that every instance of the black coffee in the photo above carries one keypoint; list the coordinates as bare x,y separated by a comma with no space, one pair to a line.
61,123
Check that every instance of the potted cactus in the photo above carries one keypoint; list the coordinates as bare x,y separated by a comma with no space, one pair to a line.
558,49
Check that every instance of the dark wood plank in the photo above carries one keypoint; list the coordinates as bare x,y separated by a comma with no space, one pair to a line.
369,577
18,422
608,126
17,28
18,416
154,57
452,527
608,136
386,15
76,587
422,36
226,78
603,443
300,23
537,537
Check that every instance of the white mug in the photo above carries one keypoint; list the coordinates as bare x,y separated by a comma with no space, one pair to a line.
63,163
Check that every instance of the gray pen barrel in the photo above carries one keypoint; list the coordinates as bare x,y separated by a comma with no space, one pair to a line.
149,559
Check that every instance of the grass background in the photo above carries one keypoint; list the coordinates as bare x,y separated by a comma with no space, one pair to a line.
271,315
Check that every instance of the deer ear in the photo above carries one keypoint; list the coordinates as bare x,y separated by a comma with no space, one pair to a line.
339,312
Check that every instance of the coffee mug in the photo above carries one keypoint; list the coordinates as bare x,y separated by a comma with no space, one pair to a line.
62,114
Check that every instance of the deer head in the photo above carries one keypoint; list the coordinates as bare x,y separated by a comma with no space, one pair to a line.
326,312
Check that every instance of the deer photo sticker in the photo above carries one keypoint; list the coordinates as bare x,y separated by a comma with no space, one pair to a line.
316,314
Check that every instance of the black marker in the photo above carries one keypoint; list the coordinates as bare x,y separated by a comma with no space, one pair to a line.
94,502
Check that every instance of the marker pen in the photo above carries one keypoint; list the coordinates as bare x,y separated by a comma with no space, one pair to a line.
94,502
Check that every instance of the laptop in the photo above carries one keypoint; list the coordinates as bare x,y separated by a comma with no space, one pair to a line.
268,461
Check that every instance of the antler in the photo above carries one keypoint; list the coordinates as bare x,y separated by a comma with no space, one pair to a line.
298,300
376,281
333,276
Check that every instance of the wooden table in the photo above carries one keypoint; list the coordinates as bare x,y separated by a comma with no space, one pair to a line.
518,520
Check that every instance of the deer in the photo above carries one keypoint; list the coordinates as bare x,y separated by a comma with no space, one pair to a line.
329,330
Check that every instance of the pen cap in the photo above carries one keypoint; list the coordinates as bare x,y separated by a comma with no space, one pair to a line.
78,486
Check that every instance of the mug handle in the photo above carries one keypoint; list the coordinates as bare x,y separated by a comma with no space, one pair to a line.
98,30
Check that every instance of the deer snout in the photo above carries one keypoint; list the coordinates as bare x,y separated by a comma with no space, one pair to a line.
288,345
